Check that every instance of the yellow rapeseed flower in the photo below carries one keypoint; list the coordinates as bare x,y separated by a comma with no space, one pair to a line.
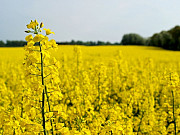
32,24
38,38
29,38
48,31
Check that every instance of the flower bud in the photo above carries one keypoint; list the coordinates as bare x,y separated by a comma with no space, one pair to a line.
41,25
36,23
35,32
27,31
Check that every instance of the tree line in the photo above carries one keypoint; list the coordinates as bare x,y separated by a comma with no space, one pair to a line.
166,39
15,43
88,43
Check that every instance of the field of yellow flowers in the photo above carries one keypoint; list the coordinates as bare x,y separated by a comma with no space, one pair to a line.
78,90
103,90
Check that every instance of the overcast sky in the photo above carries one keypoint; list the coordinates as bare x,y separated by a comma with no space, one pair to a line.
105,20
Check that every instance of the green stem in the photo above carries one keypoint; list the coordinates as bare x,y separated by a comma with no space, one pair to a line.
43,114
52,131
45,92
43,97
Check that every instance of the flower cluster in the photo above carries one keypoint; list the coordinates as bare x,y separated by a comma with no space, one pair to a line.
42,75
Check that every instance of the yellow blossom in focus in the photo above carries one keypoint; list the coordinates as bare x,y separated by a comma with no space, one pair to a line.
48,31
29,38
32,24
38,38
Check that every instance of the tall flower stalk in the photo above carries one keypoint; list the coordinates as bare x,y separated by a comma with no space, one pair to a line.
43,69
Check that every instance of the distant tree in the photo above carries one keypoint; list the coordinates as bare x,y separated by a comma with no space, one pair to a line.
132,39
100,43
175,32
79,42
92,43
108,43
167,40
15,43
155,40
2,44
72,42
117,43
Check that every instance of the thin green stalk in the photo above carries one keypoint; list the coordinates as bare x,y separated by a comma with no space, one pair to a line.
45,89
43,97
52,131
43,114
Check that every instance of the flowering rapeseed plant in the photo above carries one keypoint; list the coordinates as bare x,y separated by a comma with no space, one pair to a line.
43,72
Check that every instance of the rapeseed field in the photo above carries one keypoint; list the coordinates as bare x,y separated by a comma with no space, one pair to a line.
78,90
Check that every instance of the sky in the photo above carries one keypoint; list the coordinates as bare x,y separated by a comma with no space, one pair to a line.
88,20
